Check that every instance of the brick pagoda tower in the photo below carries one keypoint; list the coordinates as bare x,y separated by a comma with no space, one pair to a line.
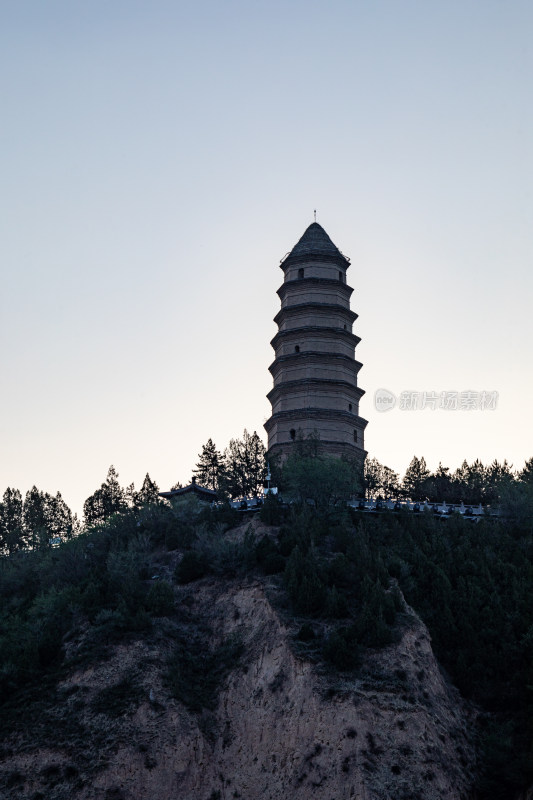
314,370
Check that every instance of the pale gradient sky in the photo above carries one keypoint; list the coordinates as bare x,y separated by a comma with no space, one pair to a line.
158,159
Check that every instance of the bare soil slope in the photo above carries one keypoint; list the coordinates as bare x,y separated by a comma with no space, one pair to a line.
281,726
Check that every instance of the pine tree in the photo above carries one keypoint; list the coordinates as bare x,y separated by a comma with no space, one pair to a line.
109,499
416,475
380,481
526,474
46,517
210,466
61,520
11,528
498,480
372,477
442,485
245,465
35,518
147,494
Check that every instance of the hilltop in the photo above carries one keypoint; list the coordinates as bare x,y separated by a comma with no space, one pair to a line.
179,652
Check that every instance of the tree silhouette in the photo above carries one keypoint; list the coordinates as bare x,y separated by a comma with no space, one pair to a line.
210,467
526,473
147,494
415,478
245,465
380,481
109,499
11,528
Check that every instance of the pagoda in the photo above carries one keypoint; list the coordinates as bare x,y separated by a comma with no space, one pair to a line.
315,390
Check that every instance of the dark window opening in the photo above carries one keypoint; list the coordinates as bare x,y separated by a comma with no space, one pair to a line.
355,436
293,434
345,327
300,273
340,276
349,406
297,348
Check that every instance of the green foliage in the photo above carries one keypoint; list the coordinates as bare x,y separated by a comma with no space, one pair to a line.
228,557
525,476
304,584
306,633
380,481
324,481
415,479
192,567
160,599
109,499
272,511
220,518
336,606
268,556
119,698
345,573
11,528
211,466
195,672
147,495
341,648
244,466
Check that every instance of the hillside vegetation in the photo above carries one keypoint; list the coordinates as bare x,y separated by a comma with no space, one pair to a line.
338,577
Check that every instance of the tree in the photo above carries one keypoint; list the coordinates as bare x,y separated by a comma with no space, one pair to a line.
210,467
498,479
35,518
61,520
45,517
245,465
414,481
326,481
372,475
526,473
469,483
11,528
440,485
147,494
380,481
109,499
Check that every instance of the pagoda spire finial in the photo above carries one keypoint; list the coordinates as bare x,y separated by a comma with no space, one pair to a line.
315,214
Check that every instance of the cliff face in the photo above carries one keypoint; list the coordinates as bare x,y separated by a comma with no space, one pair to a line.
280,726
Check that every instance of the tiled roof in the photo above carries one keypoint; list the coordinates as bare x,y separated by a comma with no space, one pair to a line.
315,241
192,487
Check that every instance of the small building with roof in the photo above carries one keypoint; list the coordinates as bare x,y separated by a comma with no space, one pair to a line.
201,492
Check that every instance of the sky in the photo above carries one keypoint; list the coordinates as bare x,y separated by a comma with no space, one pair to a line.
159,158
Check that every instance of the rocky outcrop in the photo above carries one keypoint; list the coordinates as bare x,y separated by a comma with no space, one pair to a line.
282,727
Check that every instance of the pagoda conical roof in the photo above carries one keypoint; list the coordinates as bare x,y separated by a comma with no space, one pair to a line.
315,242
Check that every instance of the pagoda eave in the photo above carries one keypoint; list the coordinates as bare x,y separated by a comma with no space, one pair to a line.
317,330
315,282
299,308
286,388
334,258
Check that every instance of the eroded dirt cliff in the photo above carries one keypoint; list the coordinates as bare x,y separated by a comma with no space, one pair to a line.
281,727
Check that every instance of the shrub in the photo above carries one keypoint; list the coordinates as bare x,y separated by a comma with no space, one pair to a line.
118,699
306,633
268,556
336,605
160,599
272,512
192,567
306,590
194,673
341,648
